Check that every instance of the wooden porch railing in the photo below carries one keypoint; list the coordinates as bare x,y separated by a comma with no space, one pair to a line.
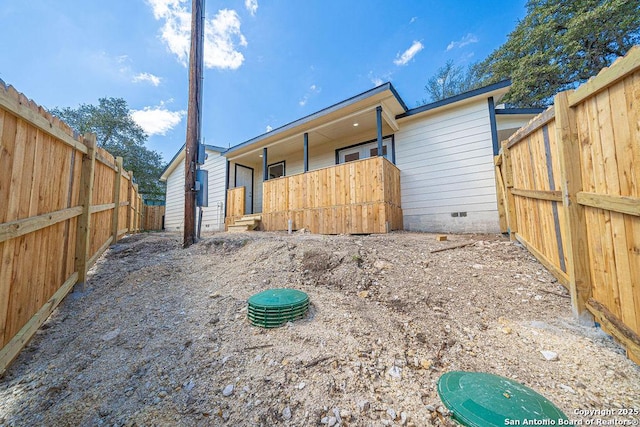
358,197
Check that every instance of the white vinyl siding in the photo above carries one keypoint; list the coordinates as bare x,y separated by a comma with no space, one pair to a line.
446,164
213,215
174,211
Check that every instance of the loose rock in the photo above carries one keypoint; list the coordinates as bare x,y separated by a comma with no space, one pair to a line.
228,390
348,361
111,335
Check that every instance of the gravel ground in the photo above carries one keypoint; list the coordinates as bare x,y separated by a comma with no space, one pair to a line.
160,336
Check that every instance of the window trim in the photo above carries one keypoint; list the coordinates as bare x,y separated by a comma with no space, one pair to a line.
393,147
284,168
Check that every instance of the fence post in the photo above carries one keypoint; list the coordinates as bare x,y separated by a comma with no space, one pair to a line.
116,198
83,234
576,226
142,209
136,204
507,176
500,194
130,202
143,216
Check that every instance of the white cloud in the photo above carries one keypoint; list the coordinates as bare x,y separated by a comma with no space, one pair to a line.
119,67
412,20
269,128
377,80
147,77
157,120
252,6
408,54
222,34
313,89
464,41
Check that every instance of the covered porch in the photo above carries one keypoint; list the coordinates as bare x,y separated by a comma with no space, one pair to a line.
362,196
331,172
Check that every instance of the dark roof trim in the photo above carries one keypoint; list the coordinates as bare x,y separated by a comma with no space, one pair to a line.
371,92
456,98
206,146
397,95
507,111
215,148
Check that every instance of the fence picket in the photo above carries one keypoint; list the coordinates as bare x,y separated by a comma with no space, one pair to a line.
55,201
597,226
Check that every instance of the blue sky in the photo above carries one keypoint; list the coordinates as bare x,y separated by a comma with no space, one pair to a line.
267,63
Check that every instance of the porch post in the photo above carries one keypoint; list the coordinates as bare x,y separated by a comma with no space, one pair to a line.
306,152
494,128
226,187
265,172
379,121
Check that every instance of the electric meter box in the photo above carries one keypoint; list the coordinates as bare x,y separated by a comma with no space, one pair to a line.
202,188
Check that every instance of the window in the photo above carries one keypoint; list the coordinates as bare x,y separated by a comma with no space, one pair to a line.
276,170
351,157
366,150
374,151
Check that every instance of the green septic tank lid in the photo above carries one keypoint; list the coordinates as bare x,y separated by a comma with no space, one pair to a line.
482,400
278,298
275,307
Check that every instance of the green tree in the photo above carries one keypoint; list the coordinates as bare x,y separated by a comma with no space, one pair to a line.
449,80
119,134
560,44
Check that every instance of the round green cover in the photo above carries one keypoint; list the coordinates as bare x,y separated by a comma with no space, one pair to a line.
278,309
481,399
282,298
275,307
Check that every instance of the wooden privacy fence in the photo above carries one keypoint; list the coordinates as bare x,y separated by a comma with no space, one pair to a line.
569,191
235,205
63,201
355,197
153,218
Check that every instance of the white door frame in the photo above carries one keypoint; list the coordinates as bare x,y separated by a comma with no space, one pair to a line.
246,181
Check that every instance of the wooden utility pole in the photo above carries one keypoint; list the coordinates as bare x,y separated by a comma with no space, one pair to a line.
193,120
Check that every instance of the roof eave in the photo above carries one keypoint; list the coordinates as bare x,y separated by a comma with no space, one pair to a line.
457,98
318,114
518,111
173,162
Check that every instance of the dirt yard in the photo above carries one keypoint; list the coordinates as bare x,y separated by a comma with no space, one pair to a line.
160,335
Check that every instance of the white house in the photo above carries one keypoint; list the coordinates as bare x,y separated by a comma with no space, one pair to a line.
445,151
434,173
173,175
